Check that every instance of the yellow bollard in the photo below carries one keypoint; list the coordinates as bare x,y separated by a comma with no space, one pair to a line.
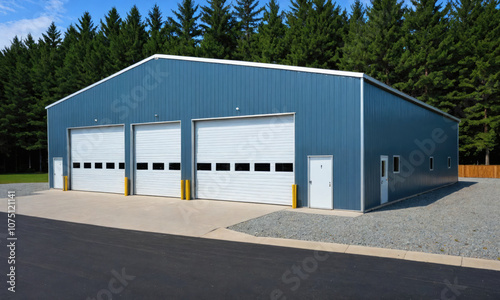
65,183
188,190
182,190
294,196
126,186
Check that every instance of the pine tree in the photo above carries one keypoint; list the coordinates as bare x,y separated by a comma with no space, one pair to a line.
185,28
297,36
108,47
111,28
219,30
156,40
247,13
45,83
132,38
77,71
271,36
354,52
384,33
424,63
316,33
19,95
9,117
477,30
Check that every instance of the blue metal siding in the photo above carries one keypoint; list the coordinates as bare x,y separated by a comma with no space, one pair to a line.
394,126
326,111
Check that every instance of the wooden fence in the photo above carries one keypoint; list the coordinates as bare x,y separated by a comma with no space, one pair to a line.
479,171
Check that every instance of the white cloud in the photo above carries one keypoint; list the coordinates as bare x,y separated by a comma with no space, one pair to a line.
51,11
8,6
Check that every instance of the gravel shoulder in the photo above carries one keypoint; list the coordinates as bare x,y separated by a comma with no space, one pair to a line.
462,219
22,189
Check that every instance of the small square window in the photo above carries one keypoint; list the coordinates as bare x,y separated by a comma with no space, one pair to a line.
242,167
431,163
396,164
158,166
76,165
223,167
142,166
449,162
262,167
284,167
121,166
98,165
174,166
204,167
87,165
110,165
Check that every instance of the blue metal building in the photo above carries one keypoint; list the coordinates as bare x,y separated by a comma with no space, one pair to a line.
229,130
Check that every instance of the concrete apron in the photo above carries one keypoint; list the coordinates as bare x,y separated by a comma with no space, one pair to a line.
197,218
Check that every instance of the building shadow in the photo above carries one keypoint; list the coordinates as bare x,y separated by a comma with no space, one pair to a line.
427,198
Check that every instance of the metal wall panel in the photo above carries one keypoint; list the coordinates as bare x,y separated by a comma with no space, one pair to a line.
394,126
326,106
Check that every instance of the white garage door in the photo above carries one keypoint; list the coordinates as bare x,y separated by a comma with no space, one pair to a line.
97,159
245,159
158,159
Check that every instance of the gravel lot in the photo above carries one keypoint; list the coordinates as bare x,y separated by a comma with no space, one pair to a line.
462,219
22,189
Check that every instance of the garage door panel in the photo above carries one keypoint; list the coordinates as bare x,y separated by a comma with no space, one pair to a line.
110,182
256,189
157,143
267,140
100,145
246,138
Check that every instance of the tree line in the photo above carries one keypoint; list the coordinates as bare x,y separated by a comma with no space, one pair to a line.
447,55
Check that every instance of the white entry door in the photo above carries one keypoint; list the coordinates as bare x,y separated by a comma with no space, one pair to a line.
57,174
321,182
384,181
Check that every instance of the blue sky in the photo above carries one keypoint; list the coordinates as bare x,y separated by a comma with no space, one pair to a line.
20,17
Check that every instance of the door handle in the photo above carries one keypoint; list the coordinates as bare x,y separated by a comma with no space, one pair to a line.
310,181
330,184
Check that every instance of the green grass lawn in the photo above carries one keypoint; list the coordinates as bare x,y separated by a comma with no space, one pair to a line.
22,178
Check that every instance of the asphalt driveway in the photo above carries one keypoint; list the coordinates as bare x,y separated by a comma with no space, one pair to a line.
62,260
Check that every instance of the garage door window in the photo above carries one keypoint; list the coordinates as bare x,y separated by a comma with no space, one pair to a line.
222,167
76,165
142,166
158,166
121,166
110,165
284,167
204,167
262,167
242,167
174,166
98,165
87,165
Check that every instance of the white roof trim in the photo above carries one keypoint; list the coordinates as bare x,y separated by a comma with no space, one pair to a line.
260,65
409,98
267,66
